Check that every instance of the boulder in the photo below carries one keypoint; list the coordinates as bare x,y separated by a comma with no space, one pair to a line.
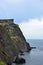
19,60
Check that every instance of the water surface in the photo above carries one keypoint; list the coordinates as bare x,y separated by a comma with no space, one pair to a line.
35,56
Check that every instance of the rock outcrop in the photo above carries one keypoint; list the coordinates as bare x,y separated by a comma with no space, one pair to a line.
12,41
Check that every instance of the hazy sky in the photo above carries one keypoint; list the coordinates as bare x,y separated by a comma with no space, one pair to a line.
27,13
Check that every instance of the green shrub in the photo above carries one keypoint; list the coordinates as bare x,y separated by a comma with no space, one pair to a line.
2,63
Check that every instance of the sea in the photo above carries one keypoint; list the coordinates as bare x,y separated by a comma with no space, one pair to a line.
35,56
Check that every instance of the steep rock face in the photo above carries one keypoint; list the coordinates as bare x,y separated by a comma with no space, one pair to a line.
16,35
8,51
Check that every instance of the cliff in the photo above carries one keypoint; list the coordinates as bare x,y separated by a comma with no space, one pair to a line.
8,51
12,41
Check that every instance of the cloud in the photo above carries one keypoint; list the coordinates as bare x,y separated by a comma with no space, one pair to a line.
21,9
32,28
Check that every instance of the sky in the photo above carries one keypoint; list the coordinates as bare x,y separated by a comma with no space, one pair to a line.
28,14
